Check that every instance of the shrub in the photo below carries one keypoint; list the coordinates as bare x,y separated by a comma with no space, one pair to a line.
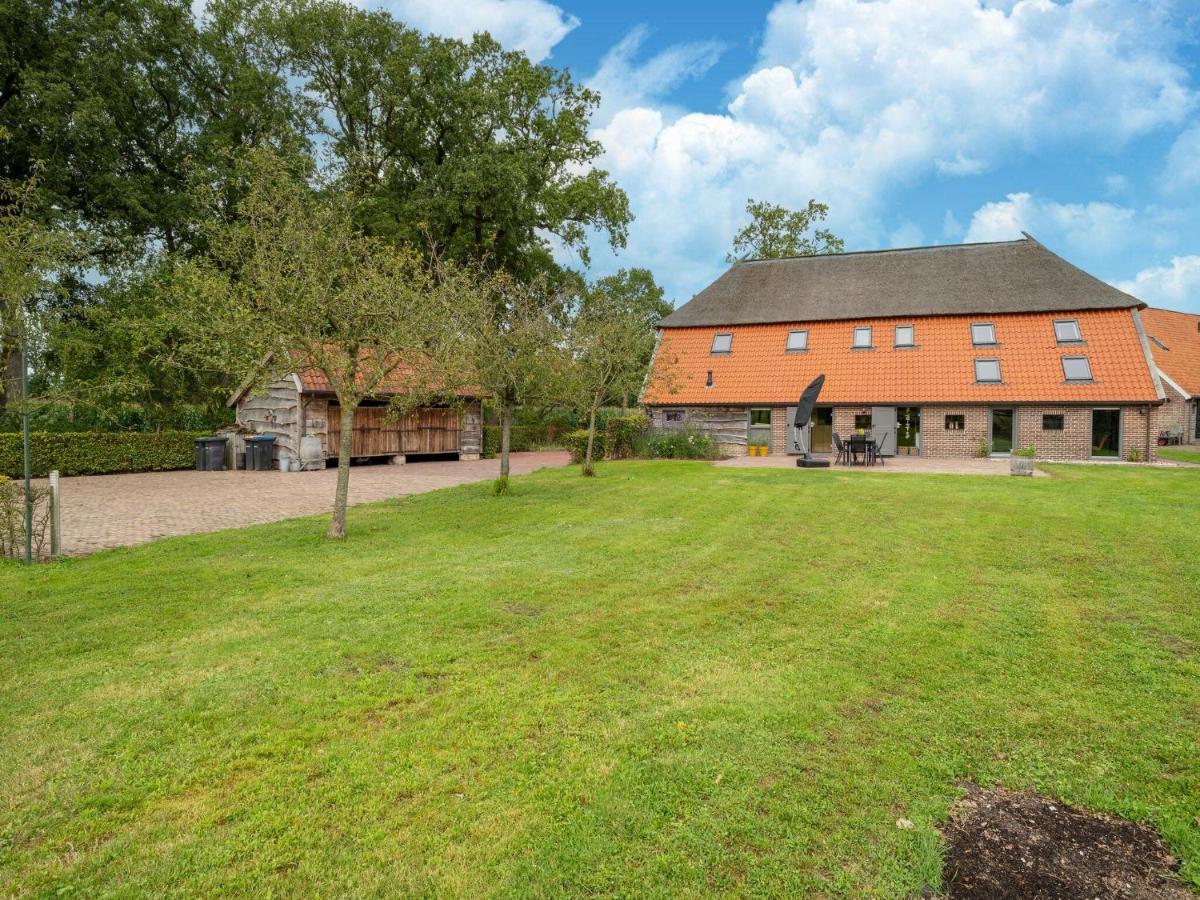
99,453
1025,452
1135,455
12,520
576,442
622,434
985,447
520,439
686,443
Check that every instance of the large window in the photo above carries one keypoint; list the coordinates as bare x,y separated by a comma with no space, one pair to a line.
797,340
906,336
987,371
1106,433
1052,423
1076,368
862,337
983,334
862,422
722,343
1066,331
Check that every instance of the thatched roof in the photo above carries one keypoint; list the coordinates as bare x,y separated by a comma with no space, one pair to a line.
962,279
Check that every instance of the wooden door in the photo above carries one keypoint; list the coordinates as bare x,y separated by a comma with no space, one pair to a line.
373,434
431,431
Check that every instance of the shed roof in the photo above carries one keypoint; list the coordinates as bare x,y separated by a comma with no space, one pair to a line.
1175,343
1008,277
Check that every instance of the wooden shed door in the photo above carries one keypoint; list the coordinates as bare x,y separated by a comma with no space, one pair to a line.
431,431
373,436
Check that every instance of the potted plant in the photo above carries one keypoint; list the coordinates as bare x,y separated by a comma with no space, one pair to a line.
1021,461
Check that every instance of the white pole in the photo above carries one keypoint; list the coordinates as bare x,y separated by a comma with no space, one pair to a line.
55,515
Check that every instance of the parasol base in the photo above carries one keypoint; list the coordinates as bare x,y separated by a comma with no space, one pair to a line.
803,463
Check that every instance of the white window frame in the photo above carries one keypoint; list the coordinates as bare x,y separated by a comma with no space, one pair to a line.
803,341
860,329
1087,364
999,379
728,345
912,330
978,343
1074,323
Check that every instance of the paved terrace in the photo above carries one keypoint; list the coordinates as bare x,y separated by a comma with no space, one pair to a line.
105,511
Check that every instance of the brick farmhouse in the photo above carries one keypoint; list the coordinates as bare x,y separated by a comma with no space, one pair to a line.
1175,344
945,351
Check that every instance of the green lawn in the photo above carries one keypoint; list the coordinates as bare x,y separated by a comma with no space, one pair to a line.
671,679
1180,454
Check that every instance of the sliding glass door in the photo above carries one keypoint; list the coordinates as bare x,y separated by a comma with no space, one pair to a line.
1106,433
1003,431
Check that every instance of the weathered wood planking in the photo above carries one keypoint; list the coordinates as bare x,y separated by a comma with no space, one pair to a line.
420,431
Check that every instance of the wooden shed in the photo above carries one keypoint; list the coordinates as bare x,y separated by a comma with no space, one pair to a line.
303,416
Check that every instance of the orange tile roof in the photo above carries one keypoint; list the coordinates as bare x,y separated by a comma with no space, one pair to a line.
1180,357
939,369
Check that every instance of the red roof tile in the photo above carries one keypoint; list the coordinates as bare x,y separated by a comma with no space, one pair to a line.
940,369
1176,348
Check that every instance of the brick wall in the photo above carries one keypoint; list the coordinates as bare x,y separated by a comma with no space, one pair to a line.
729,425
939,441
779,430
1178,412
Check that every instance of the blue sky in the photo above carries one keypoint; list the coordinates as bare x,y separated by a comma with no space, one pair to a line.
917,121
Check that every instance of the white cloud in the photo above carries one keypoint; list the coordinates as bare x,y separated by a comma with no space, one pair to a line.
1183,161
625,83
853,101
533,26
1085,227
1176,286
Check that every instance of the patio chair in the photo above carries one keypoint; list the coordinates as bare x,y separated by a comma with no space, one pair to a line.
843,452
859,447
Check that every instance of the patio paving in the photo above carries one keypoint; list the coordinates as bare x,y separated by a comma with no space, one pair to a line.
105,511
921,465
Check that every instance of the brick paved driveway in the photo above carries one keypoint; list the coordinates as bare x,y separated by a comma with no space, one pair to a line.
102,511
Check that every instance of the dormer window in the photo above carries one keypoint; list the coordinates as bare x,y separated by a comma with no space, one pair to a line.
862,337
1076,368
987,371
906,336
983,334
797,341
722,343
1066,331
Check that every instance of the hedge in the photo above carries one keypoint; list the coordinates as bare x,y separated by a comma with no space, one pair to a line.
576,442
520,439
623,435
98,452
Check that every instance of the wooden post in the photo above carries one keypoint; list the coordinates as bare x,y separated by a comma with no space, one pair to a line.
55,516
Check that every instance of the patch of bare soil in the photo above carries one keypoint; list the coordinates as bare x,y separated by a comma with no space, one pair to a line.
1004,844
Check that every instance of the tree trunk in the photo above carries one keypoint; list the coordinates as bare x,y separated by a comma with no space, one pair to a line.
501,485
337,527
587,456
505,436
624,403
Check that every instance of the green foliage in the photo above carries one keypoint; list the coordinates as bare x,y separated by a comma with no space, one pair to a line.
98,453
1134,455
775,231
984,449
623,435
1026,452
576,442
520,438
679,443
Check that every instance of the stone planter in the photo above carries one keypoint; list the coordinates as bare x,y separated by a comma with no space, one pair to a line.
1020,465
